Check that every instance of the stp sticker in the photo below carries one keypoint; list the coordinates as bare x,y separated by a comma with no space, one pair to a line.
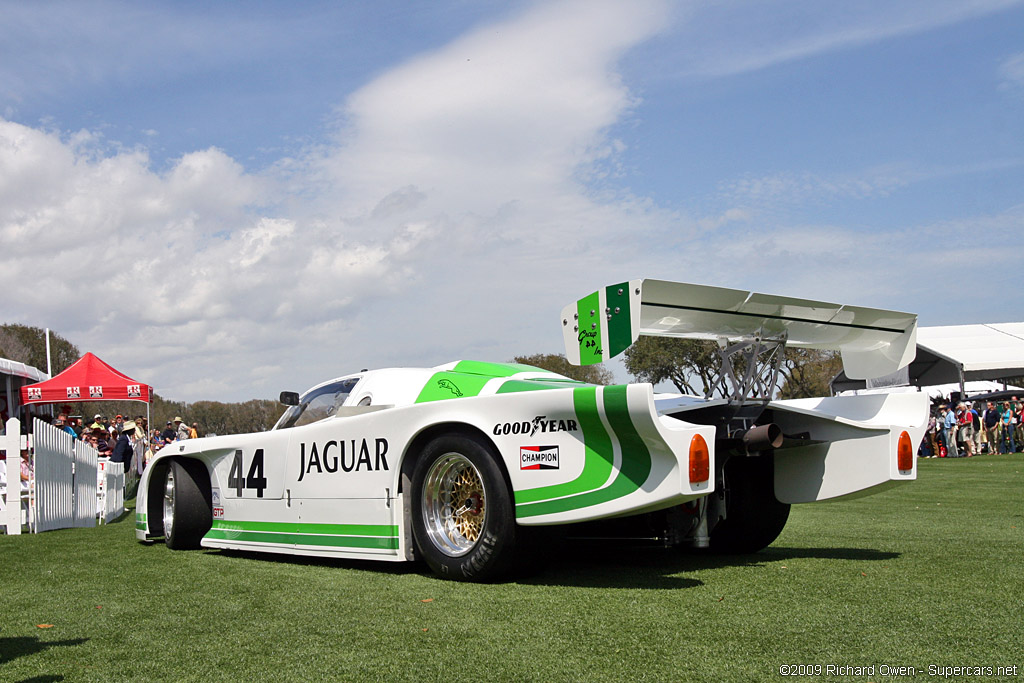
538,457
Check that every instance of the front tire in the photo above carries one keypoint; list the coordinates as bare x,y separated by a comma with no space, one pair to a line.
463,517
187,508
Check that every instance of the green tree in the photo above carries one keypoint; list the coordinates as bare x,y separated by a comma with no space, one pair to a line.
808,372
214,417
28,345
680,361
557,362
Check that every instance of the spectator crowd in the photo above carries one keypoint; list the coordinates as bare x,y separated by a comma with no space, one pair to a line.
968,429
127,441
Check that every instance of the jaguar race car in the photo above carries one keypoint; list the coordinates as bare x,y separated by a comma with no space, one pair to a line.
468,465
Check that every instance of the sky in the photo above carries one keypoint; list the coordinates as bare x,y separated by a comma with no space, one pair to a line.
227,200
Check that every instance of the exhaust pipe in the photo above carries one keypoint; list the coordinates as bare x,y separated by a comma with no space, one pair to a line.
762,438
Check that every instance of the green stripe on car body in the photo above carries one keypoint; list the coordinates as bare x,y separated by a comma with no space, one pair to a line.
140,521
475,367
383,536
512,386
633,472
636,459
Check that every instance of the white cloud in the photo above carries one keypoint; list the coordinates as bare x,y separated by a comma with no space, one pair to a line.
448,204
508,112
1011,73
742,36
809,189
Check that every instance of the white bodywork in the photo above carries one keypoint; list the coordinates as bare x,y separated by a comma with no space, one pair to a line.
334,487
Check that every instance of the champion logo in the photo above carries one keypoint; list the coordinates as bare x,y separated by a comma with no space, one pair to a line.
538,457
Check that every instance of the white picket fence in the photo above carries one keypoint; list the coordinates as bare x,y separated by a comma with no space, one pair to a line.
110,490
71,487
11,507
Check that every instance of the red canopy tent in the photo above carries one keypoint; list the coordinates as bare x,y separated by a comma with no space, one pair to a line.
87,379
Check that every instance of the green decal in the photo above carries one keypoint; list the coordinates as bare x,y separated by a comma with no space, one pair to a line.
384,536
597,464
140,521
445,385
636,461
589,314
620,327
468,379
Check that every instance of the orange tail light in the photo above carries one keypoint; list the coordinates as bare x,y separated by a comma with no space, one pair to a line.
700,460
904,453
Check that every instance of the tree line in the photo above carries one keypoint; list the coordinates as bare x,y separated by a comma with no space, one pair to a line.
692,366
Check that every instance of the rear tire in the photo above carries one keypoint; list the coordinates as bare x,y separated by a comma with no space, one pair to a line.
754,517
463,517
187,508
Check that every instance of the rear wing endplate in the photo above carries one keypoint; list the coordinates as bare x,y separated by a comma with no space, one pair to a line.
600,326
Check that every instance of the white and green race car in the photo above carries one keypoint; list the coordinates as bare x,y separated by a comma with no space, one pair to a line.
466,464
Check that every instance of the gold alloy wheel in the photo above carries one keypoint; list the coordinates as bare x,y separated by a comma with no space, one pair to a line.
454,504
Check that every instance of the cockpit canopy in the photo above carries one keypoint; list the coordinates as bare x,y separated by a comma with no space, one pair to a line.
318,403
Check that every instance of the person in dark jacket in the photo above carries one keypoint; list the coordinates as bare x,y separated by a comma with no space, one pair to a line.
123,449
169,434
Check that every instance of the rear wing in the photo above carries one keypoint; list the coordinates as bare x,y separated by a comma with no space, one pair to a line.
600,326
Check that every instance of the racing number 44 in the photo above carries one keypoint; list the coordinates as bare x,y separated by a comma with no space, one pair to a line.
253,480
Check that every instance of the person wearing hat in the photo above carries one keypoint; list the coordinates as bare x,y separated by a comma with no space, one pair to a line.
124,449
168,434
182,430
103,442
115,428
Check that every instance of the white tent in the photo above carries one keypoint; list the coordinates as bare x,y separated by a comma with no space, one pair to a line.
938,391
993,351
958,354
14,375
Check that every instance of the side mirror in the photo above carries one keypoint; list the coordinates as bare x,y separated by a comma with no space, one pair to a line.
289,398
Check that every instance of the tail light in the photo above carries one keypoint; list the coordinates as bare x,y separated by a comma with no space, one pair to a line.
700,467
904,453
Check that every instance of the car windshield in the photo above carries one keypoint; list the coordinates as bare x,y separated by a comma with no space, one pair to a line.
317,404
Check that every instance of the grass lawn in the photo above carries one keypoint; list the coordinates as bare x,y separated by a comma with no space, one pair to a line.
926,574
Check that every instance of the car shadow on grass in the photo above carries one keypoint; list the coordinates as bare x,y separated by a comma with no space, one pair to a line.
595,563
613,564
24,646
